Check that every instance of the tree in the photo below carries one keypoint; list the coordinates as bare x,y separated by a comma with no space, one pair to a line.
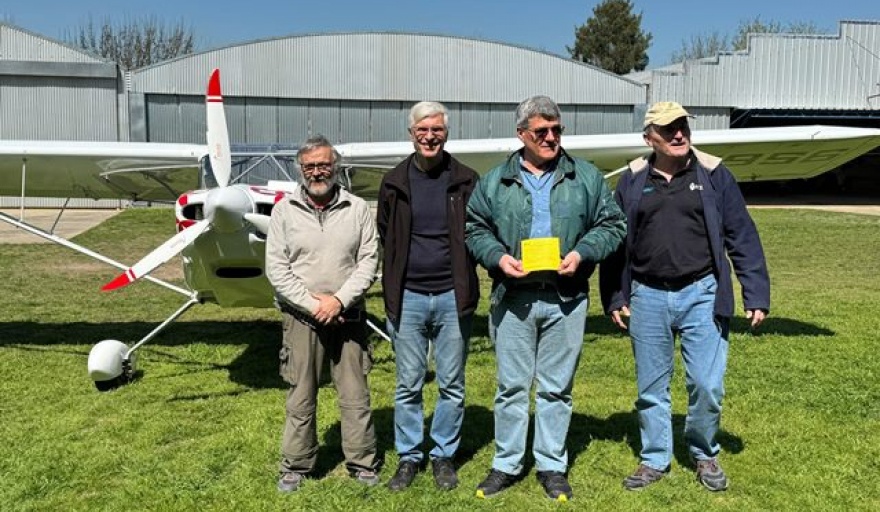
612,38
709,45
135,43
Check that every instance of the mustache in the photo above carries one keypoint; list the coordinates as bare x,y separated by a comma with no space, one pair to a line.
322,178
429,140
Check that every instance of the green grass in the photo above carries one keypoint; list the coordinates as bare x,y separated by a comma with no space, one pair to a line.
200,429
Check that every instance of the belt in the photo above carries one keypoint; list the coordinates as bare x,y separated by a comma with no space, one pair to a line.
350,315
536,286
674,284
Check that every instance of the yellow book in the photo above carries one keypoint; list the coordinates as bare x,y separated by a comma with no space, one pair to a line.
540,254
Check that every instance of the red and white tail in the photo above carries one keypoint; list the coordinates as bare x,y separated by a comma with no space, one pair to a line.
218,134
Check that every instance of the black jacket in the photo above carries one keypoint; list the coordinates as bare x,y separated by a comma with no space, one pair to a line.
394,219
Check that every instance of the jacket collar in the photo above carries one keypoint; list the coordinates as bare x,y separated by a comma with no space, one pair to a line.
510,171
707,161
399,176
298,197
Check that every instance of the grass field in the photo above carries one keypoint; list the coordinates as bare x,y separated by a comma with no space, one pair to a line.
199,430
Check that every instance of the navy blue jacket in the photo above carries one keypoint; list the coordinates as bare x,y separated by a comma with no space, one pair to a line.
732,234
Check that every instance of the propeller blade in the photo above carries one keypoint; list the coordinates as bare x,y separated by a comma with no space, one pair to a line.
259,221
218,133
160,255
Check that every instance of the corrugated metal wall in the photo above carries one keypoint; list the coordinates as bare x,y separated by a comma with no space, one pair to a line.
784,71
383,66
57,108
267,121
359,87
49,90
19,44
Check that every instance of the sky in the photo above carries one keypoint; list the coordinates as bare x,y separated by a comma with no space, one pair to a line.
546,25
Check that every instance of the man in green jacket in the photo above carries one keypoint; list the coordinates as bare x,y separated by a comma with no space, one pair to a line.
539,195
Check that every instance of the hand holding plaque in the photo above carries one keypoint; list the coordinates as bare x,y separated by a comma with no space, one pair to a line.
540,254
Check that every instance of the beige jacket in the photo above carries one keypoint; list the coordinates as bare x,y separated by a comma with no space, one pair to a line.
334,252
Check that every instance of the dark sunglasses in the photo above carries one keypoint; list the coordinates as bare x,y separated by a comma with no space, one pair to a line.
541,133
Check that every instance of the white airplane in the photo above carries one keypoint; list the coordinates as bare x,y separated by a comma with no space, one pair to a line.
221,230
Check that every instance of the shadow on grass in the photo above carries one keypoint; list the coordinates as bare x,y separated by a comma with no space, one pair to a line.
780,327
255,367
624,427
478,432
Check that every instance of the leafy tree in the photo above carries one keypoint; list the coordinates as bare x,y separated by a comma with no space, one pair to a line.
134,43
707,45
612,38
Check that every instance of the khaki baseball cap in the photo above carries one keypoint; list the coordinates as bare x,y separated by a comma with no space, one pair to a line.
663,113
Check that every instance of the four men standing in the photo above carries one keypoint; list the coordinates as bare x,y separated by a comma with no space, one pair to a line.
678,215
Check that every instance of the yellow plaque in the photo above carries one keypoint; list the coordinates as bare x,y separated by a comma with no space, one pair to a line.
540,254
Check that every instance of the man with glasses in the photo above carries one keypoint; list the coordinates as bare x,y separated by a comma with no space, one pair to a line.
431,290
322,253
686,217
540,194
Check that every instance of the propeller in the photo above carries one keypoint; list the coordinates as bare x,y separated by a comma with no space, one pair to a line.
160,255
221,164
259,221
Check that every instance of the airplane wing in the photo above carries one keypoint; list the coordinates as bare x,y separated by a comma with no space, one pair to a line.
161,172
753,154
99,170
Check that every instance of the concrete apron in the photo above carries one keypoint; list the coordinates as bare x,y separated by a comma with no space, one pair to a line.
72,223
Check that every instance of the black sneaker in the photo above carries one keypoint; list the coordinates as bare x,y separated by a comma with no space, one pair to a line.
444,473
404,476
555,485
643,477
495,482
290,481
710,474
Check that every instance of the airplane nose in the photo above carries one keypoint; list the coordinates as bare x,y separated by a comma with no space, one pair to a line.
226,206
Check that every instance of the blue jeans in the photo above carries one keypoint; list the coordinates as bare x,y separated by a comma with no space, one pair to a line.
428,318
657,315
537,338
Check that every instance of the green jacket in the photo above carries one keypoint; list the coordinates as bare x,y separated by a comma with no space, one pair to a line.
584,216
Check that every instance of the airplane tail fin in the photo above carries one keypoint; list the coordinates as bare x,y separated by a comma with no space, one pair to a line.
218,133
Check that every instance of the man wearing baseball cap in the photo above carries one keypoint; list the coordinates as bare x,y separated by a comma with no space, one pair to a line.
685,216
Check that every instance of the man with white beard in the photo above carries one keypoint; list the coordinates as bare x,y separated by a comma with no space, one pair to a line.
322,253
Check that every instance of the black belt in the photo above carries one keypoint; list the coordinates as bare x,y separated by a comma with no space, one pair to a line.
536,286
350,315
671,284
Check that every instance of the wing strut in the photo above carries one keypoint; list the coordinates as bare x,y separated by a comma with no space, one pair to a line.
88,252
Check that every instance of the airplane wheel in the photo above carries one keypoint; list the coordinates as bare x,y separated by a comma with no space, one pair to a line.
108,366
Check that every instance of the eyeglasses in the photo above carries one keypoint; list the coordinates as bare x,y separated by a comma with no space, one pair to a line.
422,131
672,128
316,166
541,133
